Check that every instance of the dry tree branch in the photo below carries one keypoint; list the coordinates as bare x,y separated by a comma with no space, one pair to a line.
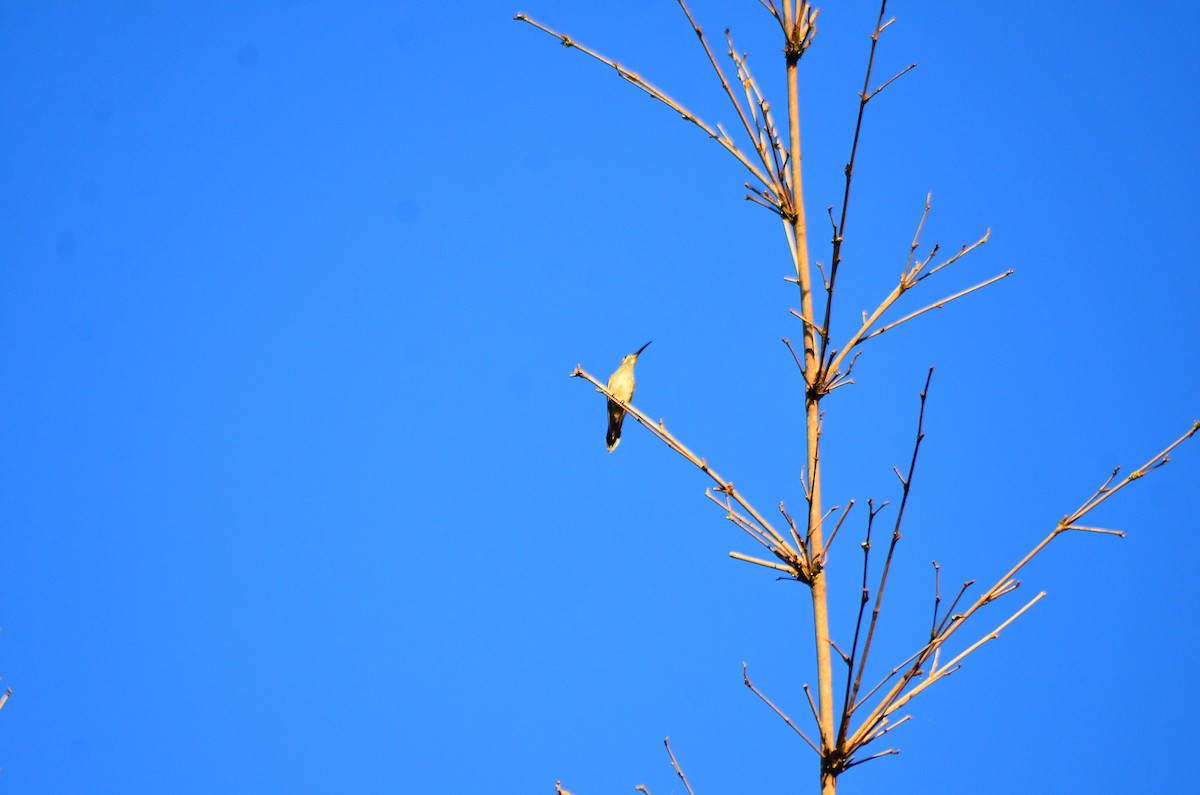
803,555
839,228
796,560
935,305
861,662
812,705
852,762
760,562
864,598
884,727
773,9
950,614
908,280
655,92
937,598
795,531
898,695
778,711
751,131
918,657
833,535
675,764
748,527
935,675
768,134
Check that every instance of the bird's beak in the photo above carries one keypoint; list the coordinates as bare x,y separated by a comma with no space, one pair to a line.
639,350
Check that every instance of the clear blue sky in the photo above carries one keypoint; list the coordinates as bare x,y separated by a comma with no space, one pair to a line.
296,494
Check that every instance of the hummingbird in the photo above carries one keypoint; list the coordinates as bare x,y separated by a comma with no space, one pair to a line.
620,384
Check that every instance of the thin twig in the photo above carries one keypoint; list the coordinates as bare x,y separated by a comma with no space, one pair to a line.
953,665
937,598
897,696
891,80
675,764
725,83
812,705
836,527
950,614
780,546
907,281
761,562
778,711
861,663
936,305
864,598
655,92
839,233
888,752
884,728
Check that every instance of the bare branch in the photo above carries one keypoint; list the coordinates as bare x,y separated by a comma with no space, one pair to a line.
936,305
812,705
794,531
897,696
655,92
780,546
778,711
888,752
1100,530
889,81
911,276
761,562
839,232
742,522
962,252
852,695
1104,492
884,728
770,6
675,764
937,598
771,150
953,665
737,106
950,614
865,597
833,535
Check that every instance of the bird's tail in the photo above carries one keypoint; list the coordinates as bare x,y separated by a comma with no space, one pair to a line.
616,416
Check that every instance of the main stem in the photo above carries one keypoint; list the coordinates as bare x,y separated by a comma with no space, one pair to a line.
812,418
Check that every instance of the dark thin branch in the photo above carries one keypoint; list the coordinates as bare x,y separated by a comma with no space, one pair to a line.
950,615
839,234
872,512
937,598
887,564
888,752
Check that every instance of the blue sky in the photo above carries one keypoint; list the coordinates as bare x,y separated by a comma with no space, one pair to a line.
296,494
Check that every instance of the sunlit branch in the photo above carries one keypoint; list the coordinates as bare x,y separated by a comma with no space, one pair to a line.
655,92
778,711
675,764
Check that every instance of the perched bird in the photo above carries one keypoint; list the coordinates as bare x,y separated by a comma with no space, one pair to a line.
620,384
